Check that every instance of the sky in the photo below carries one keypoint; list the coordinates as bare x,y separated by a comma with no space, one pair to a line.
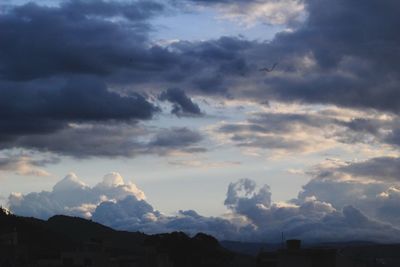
241,119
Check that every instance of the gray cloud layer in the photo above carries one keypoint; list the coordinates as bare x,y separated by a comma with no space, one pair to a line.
79,52
112,140
62,61
356,61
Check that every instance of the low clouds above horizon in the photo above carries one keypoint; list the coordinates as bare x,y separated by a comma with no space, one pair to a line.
327,209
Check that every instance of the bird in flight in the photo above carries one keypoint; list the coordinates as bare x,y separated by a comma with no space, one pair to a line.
269,69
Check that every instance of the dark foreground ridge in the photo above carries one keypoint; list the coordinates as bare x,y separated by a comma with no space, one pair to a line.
73,242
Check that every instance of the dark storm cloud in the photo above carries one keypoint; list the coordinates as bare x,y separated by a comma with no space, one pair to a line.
356,49
111,140
75,100
82,141
43,107
345,53
340,55
52,60
208,64
57,65
182,104
40,41
356,60
78,37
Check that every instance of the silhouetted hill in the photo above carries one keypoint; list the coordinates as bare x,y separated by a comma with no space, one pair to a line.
81,230
34,233
200,250
63,239
78,227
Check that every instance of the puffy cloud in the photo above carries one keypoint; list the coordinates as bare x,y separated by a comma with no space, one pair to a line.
115,203
72,196
309,219
134,215
253,215
130,211
191,222
376,201
367,185
114,187
243,199
182,104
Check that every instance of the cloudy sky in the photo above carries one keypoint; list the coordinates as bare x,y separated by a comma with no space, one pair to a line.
239,118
